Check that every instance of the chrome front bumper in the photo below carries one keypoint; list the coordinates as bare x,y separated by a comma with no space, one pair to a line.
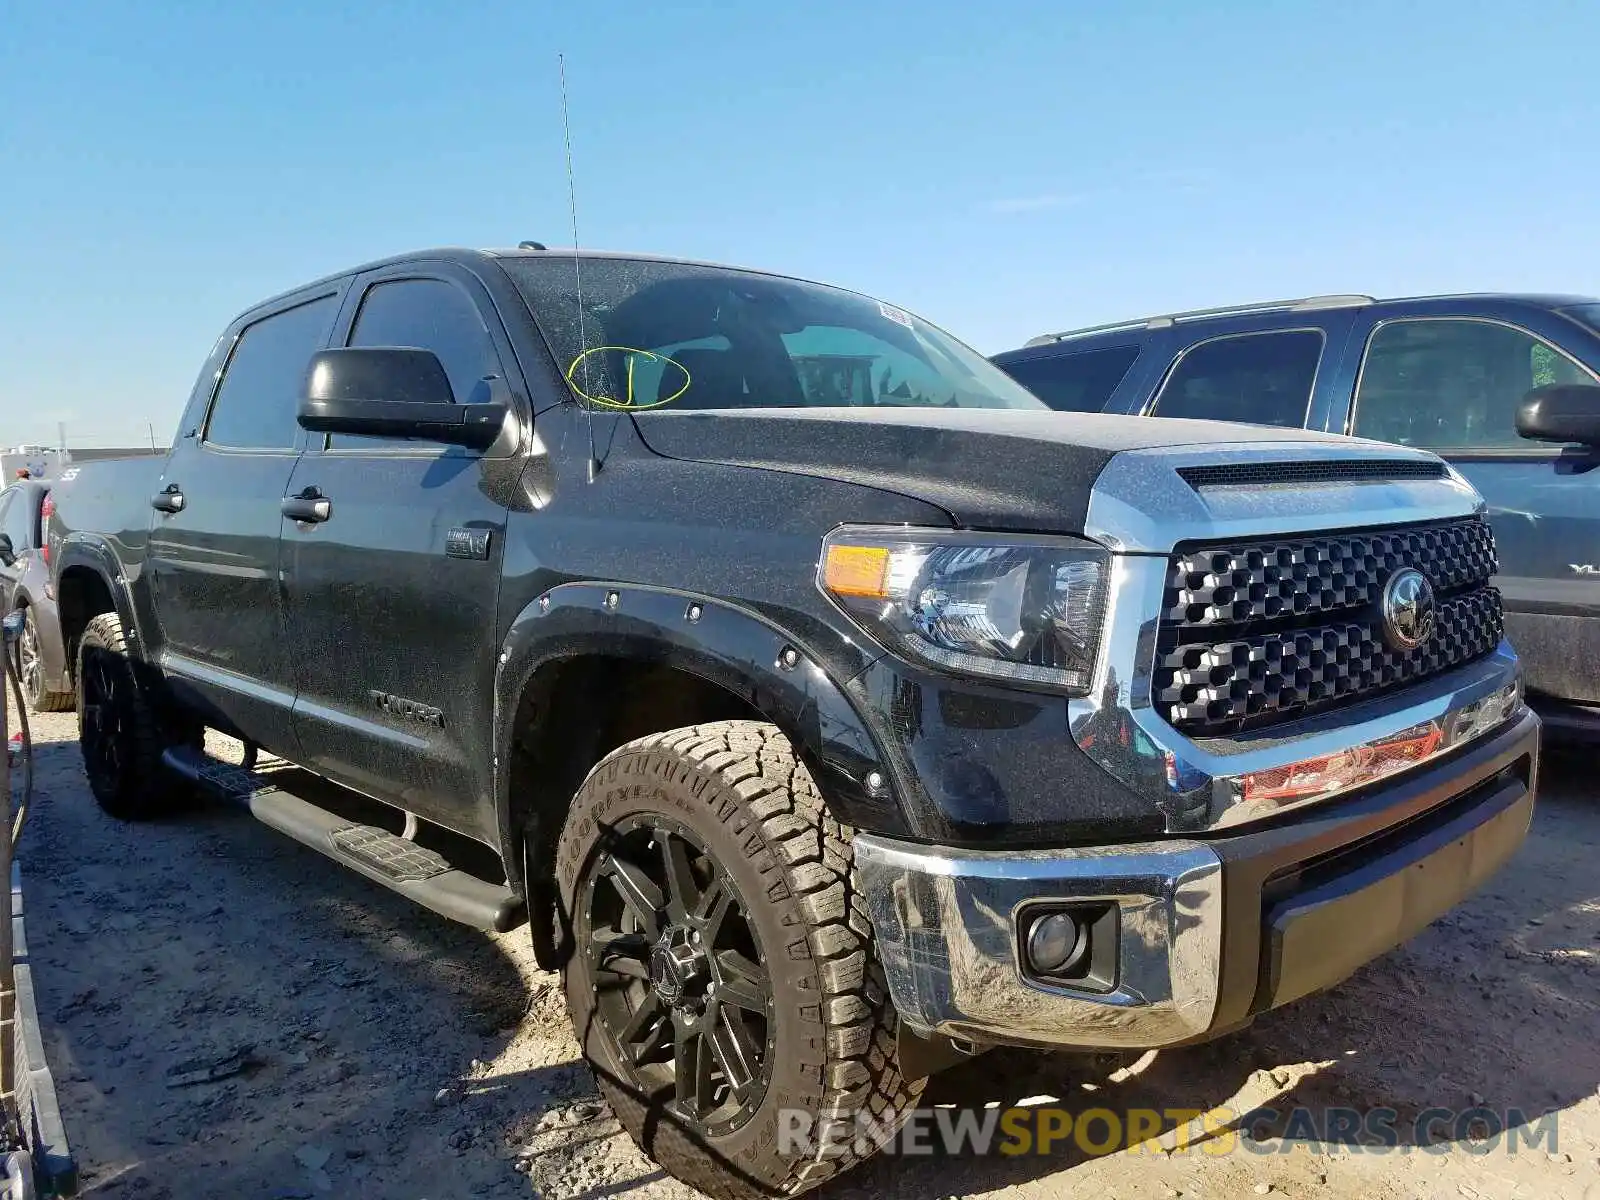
946,924
1207,932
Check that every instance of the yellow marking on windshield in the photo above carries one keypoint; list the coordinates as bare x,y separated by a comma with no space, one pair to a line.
627,403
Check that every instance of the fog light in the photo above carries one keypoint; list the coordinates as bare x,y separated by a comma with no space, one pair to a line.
1057,942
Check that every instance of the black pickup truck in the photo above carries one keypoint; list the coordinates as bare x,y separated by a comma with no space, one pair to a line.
828,707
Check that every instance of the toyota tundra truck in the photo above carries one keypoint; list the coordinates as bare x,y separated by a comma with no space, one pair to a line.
827,707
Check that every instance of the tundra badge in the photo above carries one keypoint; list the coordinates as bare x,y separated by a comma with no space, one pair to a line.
411,710
467,543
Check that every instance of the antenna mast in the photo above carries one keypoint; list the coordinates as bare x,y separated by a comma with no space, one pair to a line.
577,265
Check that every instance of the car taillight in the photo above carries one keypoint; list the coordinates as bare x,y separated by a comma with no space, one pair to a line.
46,511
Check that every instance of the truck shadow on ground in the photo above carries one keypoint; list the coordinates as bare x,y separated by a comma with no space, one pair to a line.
1457,1020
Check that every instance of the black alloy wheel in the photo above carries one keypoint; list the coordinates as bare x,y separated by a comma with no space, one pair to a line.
120,732
721,975
105,722
684,993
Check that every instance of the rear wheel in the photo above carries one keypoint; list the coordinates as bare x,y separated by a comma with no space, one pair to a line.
120,728
722,978
30,661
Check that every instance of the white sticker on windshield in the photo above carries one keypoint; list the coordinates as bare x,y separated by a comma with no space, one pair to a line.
895,314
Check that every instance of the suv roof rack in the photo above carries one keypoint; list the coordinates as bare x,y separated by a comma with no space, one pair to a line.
1302,304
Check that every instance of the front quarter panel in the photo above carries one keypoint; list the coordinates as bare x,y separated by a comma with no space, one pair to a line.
728,645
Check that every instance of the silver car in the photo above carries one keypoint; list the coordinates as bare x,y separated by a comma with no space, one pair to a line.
25,585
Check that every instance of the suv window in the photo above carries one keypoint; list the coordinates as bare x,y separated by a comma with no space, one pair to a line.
260,391
1081,382
426,314
1453,383
1258,378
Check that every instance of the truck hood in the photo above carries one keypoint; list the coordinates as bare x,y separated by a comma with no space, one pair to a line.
988,468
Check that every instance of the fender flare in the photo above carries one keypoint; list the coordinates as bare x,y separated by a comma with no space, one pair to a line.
728,645
80,551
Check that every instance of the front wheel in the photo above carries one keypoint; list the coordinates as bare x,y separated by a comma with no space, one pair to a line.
723,980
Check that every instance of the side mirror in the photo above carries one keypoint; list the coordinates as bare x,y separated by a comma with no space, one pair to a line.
1561,412
393,392
8,552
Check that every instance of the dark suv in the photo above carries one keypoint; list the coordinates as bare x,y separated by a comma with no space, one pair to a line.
1451,374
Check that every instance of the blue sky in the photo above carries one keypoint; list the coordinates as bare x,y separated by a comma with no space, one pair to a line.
1001,168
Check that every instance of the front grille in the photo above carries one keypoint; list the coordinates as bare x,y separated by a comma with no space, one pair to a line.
1254,633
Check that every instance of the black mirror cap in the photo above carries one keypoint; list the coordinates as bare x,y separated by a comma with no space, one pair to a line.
1561,412
393,392
8,552
392,374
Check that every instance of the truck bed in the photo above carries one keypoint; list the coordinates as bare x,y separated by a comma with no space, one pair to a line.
110,498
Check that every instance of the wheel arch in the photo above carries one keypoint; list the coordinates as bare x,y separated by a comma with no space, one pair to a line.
589,666
88,581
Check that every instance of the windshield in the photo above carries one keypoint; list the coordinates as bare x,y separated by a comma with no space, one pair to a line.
679,336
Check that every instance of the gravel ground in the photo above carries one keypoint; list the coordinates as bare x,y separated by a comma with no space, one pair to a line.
395,1055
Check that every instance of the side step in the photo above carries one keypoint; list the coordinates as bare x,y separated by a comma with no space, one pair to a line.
414,871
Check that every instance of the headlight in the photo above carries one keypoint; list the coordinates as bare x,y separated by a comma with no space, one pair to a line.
1020,609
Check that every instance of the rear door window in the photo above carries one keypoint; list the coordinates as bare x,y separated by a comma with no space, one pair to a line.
1257,378
257,401
1081,382
1454,383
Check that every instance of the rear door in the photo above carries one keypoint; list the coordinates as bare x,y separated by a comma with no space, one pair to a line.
1451,383
212,570
391,600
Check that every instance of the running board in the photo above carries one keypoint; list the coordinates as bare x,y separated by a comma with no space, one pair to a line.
416,872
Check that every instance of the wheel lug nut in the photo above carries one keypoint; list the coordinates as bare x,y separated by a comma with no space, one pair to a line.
695,937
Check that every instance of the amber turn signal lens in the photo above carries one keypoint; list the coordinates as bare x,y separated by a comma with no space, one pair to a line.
857,571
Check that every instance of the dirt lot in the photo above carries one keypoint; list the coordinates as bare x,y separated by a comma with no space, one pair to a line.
399,1056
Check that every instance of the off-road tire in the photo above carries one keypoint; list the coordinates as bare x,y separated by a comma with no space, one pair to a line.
742,790
40,699
140,786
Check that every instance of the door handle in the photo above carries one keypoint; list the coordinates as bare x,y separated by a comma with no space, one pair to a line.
168,500
309,505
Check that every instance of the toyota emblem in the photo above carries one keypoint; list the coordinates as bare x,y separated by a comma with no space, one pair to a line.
1408,616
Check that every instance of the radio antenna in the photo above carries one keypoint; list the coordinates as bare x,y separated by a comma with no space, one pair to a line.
577,264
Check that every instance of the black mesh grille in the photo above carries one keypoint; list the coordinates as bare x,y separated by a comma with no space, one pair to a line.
1250,474
1258,632
1228,585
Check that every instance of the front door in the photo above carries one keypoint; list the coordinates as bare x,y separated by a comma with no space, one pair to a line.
391,599
1452,385
212,570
